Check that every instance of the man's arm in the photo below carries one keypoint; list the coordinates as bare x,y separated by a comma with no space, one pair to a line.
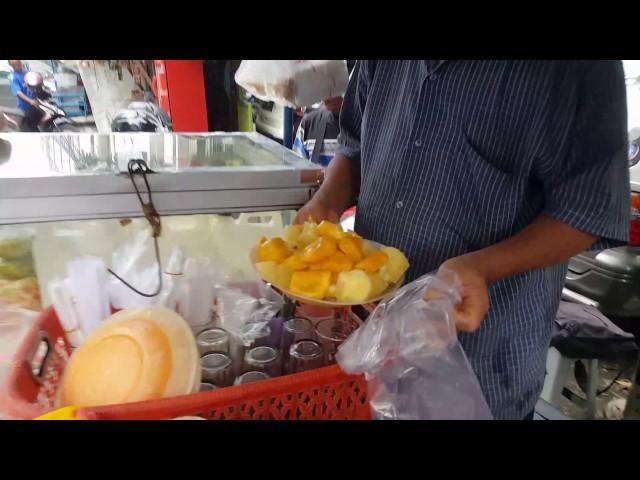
30,101
586,190
341,184
16,89
545,242
338,191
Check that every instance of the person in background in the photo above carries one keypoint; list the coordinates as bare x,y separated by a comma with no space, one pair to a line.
321,127
317,136
25,98
499,171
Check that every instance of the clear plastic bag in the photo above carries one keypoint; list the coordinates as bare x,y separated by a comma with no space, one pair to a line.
18,281
14,325
409,352
293,83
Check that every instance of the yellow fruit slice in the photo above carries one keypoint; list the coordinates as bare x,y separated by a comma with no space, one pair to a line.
307,235
378,285
295,263
373,262
352,247
292,233
395,267
276,274
368,247
338,262
310,284
328,229
320,249
273,250
354,286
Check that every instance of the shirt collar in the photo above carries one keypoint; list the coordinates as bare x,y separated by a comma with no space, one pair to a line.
430,66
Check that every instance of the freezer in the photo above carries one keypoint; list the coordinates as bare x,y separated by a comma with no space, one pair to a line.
67,195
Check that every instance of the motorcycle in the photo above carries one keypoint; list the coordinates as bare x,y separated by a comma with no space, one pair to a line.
55,119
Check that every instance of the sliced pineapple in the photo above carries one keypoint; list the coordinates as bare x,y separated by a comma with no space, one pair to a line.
368,247
308,234
395,267
354,286
291,234
276,274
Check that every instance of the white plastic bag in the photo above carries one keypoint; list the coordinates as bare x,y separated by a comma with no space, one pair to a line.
293,83
14,325
409,352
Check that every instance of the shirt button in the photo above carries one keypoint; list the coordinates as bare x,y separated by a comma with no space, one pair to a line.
418,143
399,204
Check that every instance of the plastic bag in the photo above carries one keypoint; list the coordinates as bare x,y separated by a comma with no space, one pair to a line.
409,352
14,325
199,287
247,303
18,282
293,83
247,311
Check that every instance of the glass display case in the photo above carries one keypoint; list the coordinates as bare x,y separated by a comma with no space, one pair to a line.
66,195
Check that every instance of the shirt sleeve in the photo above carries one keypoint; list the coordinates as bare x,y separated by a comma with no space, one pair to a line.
586,184
352,109
15,85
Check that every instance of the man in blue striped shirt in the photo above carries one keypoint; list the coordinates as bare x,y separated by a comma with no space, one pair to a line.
497,170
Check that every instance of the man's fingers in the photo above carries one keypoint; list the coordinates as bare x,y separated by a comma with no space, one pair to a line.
432,294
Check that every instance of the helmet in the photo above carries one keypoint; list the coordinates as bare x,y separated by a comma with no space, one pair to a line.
33,79
154,110
130,120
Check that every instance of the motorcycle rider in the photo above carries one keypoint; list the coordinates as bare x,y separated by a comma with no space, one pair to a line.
25,97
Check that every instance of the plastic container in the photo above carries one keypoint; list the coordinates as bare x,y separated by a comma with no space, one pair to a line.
323,394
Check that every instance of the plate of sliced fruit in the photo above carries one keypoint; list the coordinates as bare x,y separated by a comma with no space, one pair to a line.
320,264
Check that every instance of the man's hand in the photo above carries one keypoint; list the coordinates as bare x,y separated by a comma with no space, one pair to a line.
546,241
319,209
33,102
337,193
474,305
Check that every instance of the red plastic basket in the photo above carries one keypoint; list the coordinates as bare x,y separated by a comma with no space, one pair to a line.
323,394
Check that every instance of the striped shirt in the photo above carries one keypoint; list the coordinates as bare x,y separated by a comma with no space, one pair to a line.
458,155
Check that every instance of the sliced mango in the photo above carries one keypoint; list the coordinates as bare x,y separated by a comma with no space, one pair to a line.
338,262
352,247
273,250
322,248
310,284
328,229
373,262
295,263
